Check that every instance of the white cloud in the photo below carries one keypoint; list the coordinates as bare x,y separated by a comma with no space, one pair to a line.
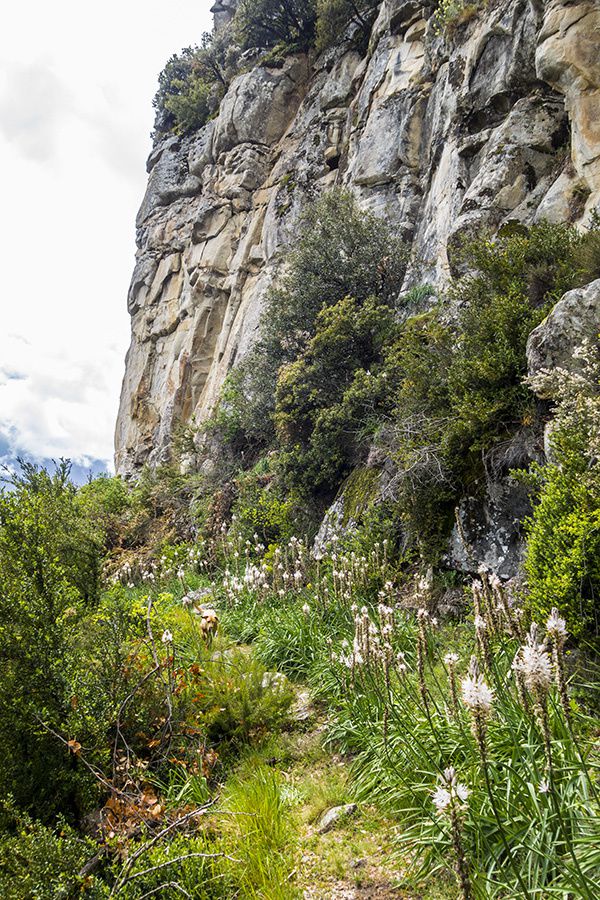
33,101
76,88
54,405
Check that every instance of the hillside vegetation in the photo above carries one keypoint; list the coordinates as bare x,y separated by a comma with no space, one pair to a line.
262,670
143,759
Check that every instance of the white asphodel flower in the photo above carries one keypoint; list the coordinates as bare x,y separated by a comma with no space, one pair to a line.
306,610
535,666
480,623
556,626
544,786
450,791
451,659
533,662
476,694
441,798
167,637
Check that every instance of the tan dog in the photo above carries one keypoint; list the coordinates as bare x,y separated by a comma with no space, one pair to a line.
209,622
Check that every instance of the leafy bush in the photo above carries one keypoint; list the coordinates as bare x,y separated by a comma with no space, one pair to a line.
49,577
336,18
458,384
325,397
563,547
242,701
418,435
105,501
340,252
262,24
192,84
262,508
39,863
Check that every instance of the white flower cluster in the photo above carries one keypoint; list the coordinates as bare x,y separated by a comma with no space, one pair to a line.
476,693
556,627
133,573
450,792
533,662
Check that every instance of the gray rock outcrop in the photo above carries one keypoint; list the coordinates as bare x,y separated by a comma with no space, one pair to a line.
574,319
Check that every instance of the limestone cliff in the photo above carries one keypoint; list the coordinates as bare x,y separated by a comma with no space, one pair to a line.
444,135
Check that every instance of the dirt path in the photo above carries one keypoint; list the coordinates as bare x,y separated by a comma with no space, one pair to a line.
358,857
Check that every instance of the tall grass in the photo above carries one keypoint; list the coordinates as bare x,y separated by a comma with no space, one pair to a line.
525,760
468,735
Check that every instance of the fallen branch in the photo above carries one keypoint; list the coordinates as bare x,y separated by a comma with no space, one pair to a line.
167,884
124,876
181,858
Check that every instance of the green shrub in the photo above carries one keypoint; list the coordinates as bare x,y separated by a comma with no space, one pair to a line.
49,578
189,104
106,501
262,508
186,863
458,385
335,18
519,276
40,863
262,24
340,252
192,84
325,397
563,547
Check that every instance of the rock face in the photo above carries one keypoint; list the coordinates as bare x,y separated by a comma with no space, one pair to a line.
444,136
574,319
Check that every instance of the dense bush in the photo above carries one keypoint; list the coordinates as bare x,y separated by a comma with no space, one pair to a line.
264,23
38,863
442,395
563,547
49,578
263,510
324,397
193,82
340,251
458,382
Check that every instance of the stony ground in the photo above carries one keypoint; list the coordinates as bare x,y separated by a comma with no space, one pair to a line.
355,856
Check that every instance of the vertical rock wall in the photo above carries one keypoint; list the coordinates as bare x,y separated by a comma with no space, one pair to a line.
442,136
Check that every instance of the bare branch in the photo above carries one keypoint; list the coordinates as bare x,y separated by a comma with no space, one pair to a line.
177,823
167,884
124,704
95,772
181,858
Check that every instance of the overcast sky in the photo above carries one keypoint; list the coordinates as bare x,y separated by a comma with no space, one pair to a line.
76,87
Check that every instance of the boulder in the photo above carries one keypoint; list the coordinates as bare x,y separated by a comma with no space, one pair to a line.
260,105
334,816
489,530
575,318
